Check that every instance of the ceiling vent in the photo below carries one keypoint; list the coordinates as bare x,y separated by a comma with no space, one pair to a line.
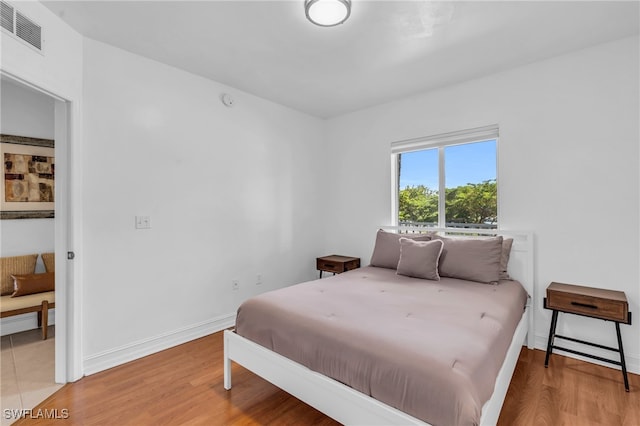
6,10
21,26
28,31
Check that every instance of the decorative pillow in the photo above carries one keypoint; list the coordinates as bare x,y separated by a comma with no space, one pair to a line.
49,260
504,258
471,259
15,265
33,283
386,252
419,259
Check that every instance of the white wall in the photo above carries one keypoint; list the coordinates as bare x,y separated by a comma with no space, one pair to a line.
231,193
568,162
25,112
58,68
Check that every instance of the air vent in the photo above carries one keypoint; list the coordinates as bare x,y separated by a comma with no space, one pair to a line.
28,31
21,26
6,10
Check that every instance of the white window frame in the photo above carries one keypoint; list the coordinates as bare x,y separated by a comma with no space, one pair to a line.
439,141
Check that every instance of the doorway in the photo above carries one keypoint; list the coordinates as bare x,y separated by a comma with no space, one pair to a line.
66,365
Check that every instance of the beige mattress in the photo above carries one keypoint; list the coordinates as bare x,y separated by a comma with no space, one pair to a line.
432,349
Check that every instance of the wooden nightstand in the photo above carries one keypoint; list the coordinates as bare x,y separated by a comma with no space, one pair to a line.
608,305
336,264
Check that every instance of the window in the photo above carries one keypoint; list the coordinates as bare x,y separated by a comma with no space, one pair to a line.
447,180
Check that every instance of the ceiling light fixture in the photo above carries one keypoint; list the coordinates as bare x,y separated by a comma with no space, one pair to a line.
327,13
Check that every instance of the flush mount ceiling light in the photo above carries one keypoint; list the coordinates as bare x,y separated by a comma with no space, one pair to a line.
327,13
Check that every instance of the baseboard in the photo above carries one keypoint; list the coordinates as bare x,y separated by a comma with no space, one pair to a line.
24,322
633,362
123,354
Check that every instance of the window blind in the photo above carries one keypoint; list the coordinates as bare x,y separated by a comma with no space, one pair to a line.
476,134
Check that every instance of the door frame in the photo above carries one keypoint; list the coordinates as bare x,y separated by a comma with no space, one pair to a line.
67,223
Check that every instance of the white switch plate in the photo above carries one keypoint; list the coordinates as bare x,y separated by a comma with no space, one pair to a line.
143,222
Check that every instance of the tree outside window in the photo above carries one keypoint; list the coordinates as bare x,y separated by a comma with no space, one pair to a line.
457,181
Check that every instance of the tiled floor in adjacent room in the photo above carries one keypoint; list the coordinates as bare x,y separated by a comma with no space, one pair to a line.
27,370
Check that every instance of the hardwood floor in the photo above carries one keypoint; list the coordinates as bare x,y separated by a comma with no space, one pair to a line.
183,386
569,392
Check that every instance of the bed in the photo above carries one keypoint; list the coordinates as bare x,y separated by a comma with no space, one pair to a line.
395,366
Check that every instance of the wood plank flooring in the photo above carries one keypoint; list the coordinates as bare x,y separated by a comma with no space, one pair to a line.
183,386
569,392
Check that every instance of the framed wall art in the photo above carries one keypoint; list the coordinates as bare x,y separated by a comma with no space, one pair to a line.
28,177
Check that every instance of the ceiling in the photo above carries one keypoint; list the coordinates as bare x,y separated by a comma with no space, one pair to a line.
386,50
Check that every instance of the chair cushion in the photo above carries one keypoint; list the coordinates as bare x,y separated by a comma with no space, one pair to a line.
15,265
8,303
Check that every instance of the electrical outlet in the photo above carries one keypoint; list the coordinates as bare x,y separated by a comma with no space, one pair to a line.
258,279
235,285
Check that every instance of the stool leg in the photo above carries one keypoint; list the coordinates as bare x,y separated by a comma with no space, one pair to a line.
622,363
552,336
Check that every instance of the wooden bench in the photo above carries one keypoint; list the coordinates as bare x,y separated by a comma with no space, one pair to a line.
38,302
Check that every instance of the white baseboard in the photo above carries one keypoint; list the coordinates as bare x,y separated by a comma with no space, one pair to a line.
632,362
24,322
123,354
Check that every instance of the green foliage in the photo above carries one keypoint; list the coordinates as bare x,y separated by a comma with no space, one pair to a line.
418,204
470,203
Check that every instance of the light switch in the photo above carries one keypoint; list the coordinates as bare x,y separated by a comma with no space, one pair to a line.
143,222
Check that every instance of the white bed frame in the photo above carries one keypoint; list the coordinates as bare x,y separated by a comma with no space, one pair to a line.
351,407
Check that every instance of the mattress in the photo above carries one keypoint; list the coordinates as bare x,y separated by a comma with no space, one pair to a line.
431,349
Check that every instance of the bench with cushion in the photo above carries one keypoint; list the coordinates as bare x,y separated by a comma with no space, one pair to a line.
23,291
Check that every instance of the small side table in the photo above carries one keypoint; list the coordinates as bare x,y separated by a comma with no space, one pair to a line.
336,264
608,305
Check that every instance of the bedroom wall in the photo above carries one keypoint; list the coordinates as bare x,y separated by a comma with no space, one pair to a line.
25,112
568,163
231,193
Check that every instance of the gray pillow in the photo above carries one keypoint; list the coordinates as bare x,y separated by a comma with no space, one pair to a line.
386,252
419,259
471,259
504,258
